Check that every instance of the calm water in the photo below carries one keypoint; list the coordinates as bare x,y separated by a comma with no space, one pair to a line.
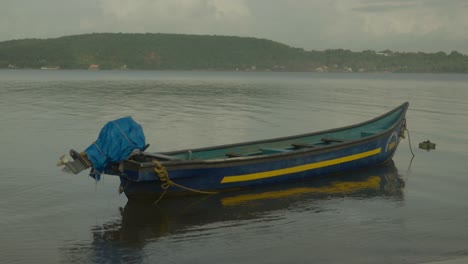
402,213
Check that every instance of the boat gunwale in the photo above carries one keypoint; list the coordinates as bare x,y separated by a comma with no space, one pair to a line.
277,156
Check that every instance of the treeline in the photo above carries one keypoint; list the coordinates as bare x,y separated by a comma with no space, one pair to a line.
196,52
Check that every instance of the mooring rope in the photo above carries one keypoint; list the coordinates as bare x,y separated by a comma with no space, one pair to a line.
405,128
166,182
409,141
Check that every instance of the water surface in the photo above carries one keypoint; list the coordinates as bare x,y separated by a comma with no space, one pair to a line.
396,214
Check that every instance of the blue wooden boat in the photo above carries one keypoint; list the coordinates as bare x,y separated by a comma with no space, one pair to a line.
257,163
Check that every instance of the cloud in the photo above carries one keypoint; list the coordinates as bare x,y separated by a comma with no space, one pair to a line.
406,25
413,25
39,19
194,16
377,8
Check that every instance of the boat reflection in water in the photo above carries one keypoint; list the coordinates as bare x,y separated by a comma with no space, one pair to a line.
142,222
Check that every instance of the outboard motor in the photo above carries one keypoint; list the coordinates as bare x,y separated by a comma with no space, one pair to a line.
79,163
118,140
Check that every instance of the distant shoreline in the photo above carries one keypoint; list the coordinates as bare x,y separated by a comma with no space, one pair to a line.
230,71
118,51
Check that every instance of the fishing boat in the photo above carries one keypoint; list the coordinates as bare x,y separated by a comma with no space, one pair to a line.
120,151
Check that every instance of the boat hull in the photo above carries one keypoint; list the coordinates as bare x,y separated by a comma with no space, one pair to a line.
238,173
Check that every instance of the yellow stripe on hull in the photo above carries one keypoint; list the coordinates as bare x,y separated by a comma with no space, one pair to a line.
301,168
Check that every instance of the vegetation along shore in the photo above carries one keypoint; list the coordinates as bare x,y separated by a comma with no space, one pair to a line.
198,52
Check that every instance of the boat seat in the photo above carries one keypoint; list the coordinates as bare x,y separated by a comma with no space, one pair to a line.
160,156
332,140
234,155
302,145
272,150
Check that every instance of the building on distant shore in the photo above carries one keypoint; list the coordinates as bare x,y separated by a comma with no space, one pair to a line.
50,68
93,67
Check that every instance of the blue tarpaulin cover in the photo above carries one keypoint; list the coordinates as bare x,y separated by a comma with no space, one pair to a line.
116,141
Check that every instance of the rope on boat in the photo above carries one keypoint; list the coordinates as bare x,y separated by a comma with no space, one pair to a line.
166,182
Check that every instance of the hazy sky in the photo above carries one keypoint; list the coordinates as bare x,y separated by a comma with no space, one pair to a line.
404,25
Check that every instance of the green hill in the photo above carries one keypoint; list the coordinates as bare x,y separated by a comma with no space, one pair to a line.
197,52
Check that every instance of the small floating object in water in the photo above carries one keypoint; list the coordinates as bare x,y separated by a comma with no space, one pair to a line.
427,145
